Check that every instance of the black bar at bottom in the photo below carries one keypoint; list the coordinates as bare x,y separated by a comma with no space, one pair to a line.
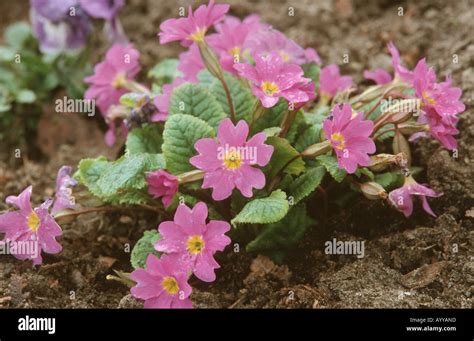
420,324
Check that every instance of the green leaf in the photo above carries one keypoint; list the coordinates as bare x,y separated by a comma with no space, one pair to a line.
146,139
180,134
242,98
364,171
311,71
284,234
263,211
144,246
119,182
305,184
272,131
25,96
389,180
283,152
195,100
298,125
17,33
89,172
271,117
310,136
205,78
165,71
122,181
7,53
330,162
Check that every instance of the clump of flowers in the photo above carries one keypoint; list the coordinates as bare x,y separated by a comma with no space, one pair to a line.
64,25
245,129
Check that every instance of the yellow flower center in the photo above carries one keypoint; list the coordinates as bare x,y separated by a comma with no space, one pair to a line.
428,98
199,35
195,244
269,88
170,285
337,137
285,56
235,51
119,80
232,160
33,221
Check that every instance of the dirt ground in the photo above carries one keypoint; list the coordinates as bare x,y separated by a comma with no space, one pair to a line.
420,262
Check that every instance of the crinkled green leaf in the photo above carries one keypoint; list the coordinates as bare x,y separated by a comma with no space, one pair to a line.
144,246
205,78
305,184
128,175
282,154
122,181
180,134
310,136
330,162
89,172
195,100
263,211
271,117
165,71
297,127
242,98
146,139
284,234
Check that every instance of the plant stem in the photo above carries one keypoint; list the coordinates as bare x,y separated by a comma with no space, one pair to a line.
229,100
382,133
110,209
278,176
287,122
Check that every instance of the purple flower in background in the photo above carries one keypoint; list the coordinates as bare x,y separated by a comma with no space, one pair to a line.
63,196
401,198
30,226
190,63
398,69
379,76
192,28
331,82
108,10
59,25
266,41
230,38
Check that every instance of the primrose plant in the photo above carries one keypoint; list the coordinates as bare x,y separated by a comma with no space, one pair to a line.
238,138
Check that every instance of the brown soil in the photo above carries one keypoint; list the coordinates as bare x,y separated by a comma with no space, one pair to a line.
420,262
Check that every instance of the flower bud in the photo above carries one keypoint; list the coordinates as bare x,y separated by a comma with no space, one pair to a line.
317,149
210,60
409,128
373,191
400,145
